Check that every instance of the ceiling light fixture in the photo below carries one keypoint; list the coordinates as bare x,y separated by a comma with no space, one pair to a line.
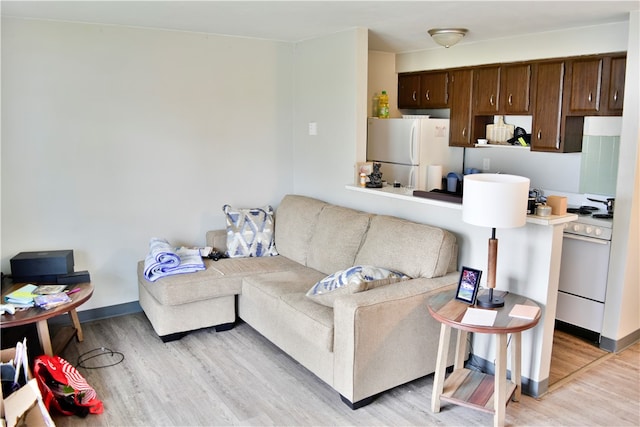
447,37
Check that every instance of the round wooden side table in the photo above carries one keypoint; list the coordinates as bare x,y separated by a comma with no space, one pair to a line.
488,393
39,316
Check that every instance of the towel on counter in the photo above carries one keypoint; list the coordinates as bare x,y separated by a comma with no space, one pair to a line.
165,260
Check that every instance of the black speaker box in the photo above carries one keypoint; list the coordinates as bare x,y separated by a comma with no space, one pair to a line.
42,266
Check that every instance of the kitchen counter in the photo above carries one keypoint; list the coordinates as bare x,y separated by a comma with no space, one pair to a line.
404,194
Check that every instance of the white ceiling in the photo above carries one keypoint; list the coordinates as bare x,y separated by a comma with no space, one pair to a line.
395,26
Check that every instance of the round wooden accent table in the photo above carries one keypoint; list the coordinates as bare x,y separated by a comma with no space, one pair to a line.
470,388
39,316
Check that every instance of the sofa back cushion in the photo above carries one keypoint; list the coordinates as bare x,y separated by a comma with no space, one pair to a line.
417,250
336,239
296,220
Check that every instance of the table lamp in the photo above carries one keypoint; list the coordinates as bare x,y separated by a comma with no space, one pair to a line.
496,201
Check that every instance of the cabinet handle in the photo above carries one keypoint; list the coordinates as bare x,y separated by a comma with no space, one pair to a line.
510,99
464,131
414,95
427,95
589,96
539,133
615,96
491,100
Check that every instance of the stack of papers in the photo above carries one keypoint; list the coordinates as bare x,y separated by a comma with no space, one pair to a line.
479,317
49,289
23,297
51,300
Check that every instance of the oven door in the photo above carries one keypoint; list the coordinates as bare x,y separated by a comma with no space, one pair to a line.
583,282
585,266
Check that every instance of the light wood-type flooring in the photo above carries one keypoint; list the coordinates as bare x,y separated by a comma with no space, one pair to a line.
237,377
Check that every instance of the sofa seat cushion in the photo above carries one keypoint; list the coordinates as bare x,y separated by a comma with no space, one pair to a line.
220,278
284,293
234,267
337,238
417,250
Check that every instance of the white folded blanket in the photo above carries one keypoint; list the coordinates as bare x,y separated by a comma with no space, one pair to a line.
165,260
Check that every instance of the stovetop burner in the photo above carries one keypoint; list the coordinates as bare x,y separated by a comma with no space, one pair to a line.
603,216
582,210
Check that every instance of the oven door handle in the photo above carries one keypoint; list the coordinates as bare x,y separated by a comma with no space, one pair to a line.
586,239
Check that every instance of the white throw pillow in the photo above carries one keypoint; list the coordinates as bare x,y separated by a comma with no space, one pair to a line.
250,232
355,279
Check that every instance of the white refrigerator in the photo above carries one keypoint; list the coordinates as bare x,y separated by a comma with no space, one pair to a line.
406,148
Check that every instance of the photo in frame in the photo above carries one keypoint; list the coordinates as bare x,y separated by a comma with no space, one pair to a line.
468,285
365,168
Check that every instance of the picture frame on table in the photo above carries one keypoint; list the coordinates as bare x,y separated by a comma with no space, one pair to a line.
468,285
365,168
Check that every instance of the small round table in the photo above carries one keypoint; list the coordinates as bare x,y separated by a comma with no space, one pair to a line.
470,388
39,316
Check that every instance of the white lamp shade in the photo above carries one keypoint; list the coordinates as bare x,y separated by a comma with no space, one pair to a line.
495,200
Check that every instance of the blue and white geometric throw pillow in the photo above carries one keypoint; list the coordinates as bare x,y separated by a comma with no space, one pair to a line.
354,279
250,232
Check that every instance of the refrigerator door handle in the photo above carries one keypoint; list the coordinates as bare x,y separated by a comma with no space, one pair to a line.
412,145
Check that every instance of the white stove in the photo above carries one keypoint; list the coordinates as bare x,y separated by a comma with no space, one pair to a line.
584,269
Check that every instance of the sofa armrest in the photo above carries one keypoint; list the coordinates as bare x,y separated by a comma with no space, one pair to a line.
386,337
217,239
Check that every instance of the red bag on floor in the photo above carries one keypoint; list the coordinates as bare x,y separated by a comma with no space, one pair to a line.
63,388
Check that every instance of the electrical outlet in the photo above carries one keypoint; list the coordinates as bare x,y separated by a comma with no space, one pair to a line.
313,128
486,164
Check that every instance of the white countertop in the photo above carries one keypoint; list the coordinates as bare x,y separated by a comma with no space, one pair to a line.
404,194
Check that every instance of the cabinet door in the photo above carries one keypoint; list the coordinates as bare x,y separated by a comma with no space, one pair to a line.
434,90
586,77
548,107
515,87
408,90
486,86
460,87
616,84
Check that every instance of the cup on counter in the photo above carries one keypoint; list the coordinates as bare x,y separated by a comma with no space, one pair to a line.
483,141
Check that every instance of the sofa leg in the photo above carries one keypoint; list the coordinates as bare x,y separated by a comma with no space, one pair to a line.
173,337
224,327
359,404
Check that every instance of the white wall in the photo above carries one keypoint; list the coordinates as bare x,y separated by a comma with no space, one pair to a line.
330,87
113,135
621,316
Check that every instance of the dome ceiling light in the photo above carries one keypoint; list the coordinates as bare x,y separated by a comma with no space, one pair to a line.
447,37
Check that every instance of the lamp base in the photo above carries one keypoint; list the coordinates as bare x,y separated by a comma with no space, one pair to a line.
489,301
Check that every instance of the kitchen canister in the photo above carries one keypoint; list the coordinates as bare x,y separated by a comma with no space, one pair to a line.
452,182
543,210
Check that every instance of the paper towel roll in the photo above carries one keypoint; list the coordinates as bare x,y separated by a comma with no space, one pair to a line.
434,177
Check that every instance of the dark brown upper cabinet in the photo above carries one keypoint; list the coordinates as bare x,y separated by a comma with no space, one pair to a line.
615,89
547,114
486,90
434,90
460,88
409,90
585,79
423,90
515,88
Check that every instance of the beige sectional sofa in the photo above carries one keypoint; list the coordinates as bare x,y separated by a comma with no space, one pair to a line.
368,342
